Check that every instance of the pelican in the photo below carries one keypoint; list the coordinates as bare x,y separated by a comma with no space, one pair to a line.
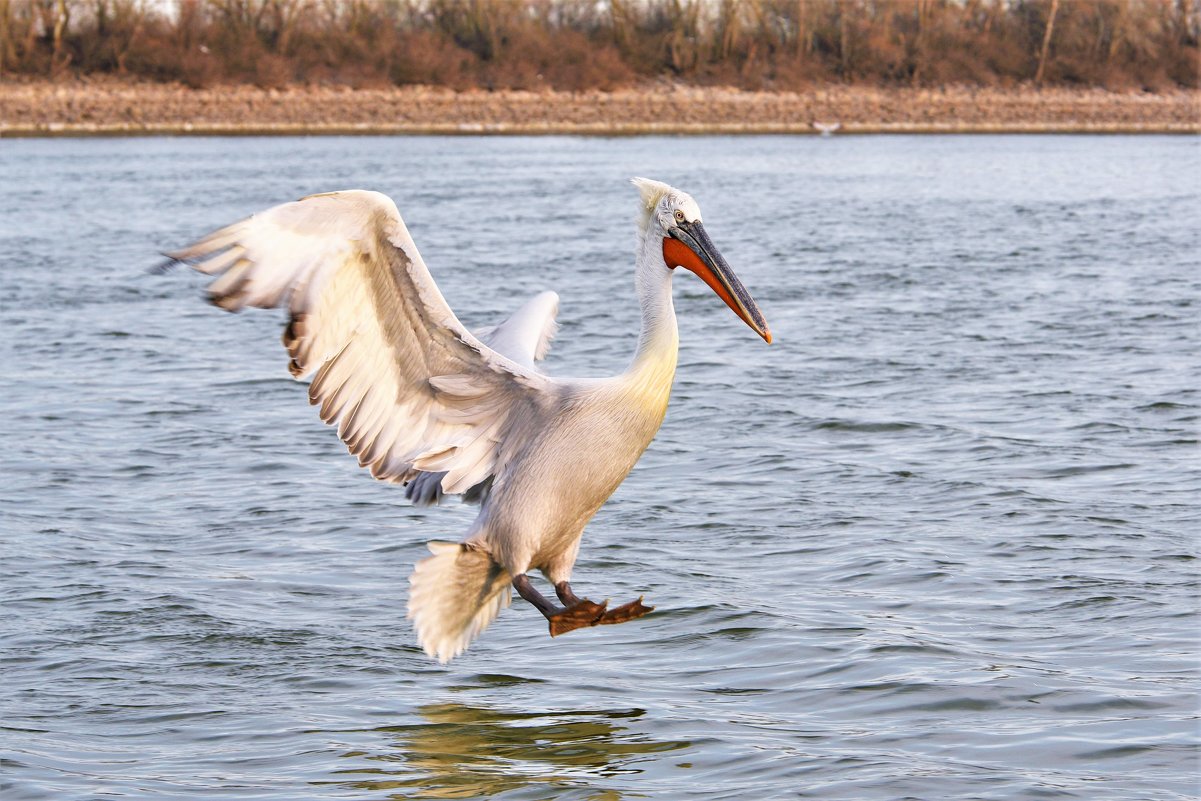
422,401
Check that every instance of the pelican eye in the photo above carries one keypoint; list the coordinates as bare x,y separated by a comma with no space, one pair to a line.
679,216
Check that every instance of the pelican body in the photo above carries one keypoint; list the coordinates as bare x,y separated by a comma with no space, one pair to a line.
424,402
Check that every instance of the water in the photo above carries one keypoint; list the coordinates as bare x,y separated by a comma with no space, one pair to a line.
939,541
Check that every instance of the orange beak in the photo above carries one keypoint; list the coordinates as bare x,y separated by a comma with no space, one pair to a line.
689,247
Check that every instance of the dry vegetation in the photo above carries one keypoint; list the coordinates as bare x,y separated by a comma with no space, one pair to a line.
575,45
105,106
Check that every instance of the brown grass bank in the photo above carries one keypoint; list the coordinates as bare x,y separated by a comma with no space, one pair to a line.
110,106
574,45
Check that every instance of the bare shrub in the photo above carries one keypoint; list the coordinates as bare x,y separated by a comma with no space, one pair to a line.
589,44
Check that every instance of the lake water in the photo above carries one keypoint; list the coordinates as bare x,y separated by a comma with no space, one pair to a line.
939,541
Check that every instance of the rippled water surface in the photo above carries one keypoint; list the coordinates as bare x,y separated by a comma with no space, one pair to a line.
939,541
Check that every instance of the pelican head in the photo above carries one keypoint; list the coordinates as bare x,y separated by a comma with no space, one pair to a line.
676,217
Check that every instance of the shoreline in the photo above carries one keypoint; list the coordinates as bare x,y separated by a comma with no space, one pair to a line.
112,107
85,131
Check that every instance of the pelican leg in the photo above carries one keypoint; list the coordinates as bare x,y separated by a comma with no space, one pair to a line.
621,614
566,596
576,615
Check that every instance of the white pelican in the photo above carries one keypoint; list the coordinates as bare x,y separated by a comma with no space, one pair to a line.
424,402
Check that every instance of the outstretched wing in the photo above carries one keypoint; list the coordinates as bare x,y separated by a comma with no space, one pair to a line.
409,387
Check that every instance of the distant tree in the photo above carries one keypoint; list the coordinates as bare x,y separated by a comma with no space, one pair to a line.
1050,28
577,44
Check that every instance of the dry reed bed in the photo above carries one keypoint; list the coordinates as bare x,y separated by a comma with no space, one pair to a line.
118,107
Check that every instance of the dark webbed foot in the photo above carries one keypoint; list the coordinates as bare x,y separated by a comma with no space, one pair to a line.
576,612
626,612
579,612
581,615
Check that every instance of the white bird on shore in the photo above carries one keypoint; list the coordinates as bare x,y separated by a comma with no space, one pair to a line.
827,128
424,402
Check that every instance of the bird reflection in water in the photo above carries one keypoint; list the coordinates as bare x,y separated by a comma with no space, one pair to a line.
473,752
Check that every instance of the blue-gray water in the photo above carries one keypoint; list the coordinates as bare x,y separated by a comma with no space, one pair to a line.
939,541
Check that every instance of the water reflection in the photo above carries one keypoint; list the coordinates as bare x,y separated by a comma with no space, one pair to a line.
462,751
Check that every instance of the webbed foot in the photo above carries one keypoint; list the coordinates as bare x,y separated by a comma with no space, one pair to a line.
626,612
577,616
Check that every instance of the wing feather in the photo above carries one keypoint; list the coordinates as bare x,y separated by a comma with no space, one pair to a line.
410,389
525,337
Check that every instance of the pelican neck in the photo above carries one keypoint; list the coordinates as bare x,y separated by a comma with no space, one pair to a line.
659,339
